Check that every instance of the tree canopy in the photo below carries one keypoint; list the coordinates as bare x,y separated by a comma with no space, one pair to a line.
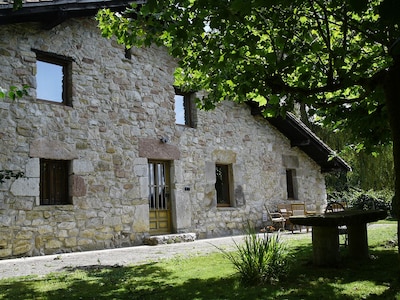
329,54
340,59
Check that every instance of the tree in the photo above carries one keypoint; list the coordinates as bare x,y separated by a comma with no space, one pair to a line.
370,171
339,58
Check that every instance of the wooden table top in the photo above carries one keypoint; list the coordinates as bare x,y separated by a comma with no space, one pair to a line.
346,217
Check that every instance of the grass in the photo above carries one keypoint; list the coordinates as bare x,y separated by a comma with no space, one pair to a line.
214,277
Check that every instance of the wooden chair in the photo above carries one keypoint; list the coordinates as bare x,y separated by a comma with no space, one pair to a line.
286,212
299,209
285,209
333,207
276,218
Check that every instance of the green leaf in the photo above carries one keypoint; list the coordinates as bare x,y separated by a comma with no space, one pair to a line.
274,99
303,19
261,100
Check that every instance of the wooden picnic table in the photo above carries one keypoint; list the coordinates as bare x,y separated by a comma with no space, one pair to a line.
325,233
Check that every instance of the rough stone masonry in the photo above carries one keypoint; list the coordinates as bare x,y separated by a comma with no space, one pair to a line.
120,110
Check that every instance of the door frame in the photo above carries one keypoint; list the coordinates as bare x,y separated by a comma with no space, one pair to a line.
160,207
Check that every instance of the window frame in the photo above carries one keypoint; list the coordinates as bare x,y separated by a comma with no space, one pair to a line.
227,179
66,64
189,108
55,190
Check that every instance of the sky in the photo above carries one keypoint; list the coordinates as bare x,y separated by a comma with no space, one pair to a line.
179,110
49,79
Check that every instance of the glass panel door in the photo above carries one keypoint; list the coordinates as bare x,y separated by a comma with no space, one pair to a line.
159,197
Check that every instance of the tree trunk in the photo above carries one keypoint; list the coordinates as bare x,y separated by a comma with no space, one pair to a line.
392,95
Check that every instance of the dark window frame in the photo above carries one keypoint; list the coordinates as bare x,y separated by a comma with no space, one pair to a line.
223,185
55,182
189,108
66,64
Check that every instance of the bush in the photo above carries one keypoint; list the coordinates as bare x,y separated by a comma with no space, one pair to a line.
260,260
361,199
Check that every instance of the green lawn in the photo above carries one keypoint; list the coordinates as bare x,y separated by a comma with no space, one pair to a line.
213,277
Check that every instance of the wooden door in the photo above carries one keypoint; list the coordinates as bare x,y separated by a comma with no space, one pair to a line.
159,198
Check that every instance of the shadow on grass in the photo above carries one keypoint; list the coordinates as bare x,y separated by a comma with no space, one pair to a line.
88,282
152,281
381,272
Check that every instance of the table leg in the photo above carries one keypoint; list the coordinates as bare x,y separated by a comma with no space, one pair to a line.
358,241
325,242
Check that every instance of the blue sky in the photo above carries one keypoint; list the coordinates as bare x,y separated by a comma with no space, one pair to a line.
49,81
179,110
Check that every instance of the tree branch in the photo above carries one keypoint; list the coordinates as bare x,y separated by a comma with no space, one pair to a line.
345,26
316,17
277,85
341,101
328,42
352,24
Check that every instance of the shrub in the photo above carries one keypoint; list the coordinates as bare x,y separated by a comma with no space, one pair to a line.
259,259
361,199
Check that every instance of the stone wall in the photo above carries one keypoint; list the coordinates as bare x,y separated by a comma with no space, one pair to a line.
121,109
257,152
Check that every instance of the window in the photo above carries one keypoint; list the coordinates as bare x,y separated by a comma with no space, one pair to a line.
53,78
185,109
54,182
222,185
291,184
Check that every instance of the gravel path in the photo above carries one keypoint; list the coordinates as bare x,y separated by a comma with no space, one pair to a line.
42,265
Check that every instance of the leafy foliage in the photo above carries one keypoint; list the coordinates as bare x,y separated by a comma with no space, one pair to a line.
327,54
369,170
330,55
260,260
362,199
14,92
341,59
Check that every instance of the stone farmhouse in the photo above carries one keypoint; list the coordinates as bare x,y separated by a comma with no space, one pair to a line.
109,161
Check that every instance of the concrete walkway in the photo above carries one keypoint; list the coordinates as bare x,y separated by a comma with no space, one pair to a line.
42,265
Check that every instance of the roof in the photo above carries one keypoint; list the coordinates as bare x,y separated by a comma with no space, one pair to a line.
50,13
302,137
53,12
